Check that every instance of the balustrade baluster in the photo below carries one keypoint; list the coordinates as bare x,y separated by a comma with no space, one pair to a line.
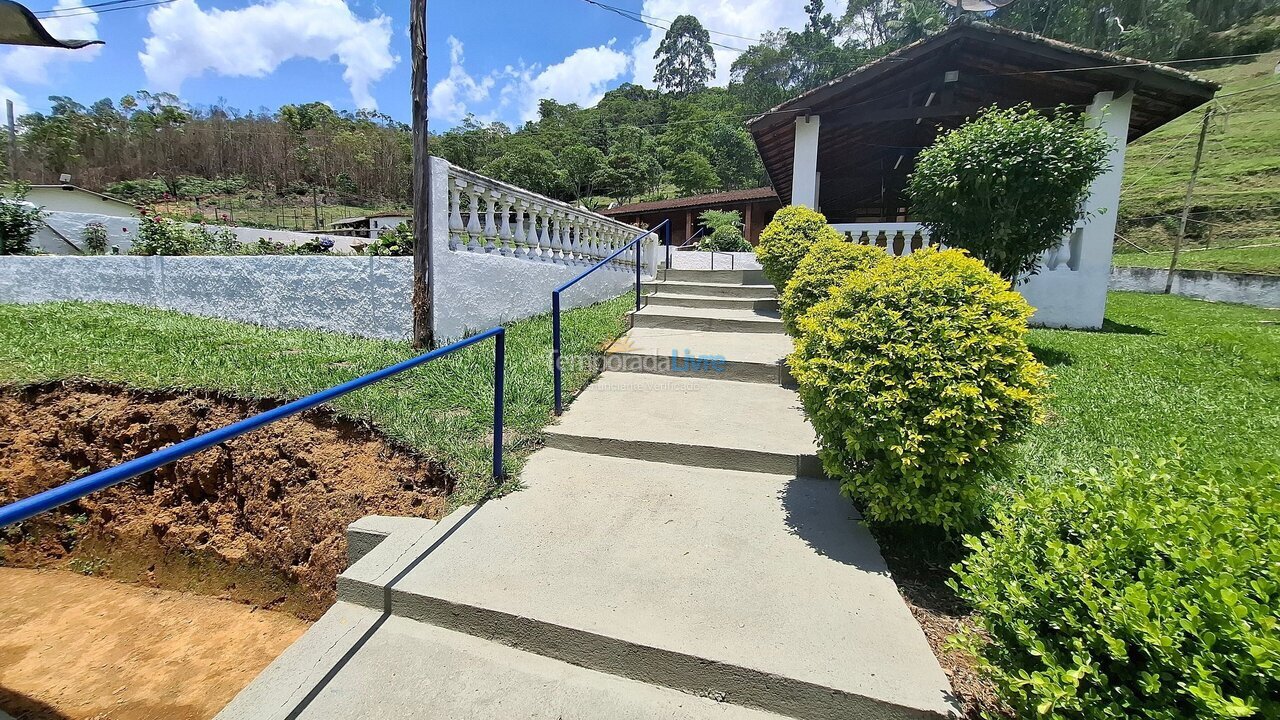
557,251
490,221
505,238
519,237
456,227
544,234
474,231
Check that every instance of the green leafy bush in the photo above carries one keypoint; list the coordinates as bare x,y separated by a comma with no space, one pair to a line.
822,268
724,232
787,238
95,238
1147,591
396,241
914,372
19,220
158,235
1008,185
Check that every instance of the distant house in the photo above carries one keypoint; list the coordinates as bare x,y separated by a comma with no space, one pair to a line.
69,198
68,209
370,226
757,207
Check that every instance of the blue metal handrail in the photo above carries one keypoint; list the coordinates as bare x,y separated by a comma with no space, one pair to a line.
76,489
555,298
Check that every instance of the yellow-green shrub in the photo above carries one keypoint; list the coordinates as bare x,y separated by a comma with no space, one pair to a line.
822,268
787,238
1147,591
914,372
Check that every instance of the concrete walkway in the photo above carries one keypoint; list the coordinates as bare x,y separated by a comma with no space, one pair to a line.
673,554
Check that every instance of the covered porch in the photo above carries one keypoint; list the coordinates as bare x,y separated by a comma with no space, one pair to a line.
847,148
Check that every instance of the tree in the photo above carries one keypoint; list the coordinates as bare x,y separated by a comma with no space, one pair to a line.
625,175
693,174
580,164
1008,185
734,159
529,167
685,59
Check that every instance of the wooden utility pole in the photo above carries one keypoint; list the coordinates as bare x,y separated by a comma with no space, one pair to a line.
423,332
13,143
1186,204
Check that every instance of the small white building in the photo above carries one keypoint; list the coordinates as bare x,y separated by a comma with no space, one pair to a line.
69,198
370,226
848,147
68,209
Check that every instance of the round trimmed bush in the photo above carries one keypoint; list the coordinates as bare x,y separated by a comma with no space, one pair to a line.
786,239
913,373
1147,591
822,268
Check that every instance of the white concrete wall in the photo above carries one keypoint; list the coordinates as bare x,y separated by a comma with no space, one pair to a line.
1243,288
122,230
364,296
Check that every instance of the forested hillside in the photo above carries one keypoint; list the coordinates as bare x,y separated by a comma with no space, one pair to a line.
679,138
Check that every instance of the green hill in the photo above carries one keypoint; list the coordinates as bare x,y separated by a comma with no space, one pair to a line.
1237,198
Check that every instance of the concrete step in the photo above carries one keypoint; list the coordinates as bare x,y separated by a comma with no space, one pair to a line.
742,357
393,668
707,319
762,591
711,301
729,277
706,289
690,421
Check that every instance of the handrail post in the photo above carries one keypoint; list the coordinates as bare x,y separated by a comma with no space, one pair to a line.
499,383
638,244
666,238
555,347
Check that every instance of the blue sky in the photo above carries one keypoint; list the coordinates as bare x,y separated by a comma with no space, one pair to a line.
494,59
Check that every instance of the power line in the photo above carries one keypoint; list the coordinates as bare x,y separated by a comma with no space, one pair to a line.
93,9
637,17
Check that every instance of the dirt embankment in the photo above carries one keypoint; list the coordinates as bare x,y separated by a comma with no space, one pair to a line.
259,519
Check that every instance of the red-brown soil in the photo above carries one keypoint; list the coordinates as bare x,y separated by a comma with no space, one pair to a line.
259,519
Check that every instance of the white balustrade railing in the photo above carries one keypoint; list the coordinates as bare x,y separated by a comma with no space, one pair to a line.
897,239
491,217
904,238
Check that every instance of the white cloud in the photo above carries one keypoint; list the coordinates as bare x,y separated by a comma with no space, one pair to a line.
253,41
745,18
513,92
32,65
451,97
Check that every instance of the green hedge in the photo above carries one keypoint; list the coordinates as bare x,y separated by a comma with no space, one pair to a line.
1148,591
786,239
913,373
822,268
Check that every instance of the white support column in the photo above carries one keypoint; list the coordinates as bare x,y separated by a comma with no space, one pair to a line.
804,166
1102,206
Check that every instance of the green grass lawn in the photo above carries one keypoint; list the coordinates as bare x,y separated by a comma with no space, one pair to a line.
443,409
1265,260
1163,368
